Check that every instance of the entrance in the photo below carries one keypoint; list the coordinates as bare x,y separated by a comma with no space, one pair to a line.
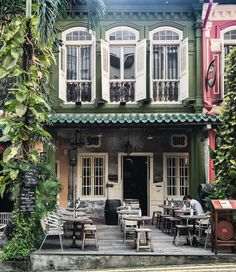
135,179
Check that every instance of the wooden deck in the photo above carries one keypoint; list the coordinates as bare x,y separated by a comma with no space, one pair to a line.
110,241
113,253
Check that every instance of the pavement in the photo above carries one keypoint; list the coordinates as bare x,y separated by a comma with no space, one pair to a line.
185,268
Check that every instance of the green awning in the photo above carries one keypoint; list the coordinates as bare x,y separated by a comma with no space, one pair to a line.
120,118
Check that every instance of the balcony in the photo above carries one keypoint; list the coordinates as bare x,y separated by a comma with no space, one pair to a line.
79,91
165,91
122,91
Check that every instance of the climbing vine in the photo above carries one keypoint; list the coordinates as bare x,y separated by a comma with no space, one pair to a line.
225,154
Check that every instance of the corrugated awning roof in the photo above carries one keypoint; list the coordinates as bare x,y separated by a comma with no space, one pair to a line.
121,118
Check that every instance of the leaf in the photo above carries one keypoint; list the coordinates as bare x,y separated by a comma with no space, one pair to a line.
3,73
2,189
20,109
9,62
14,174
10,153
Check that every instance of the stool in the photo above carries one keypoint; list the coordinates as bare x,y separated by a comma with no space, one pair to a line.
173,222
142,239
155,216
162,221
89,233
183,231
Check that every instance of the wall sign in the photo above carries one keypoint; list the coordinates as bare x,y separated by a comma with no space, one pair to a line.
211,75
27,199
30,178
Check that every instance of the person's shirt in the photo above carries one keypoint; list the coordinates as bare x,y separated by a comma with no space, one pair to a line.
197,208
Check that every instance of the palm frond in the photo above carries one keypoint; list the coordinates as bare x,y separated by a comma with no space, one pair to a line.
48,12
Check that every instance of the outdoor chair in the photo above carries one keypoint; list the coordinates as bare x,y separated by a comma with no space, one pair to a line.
129,229
52,226
5,217
2,232
208,235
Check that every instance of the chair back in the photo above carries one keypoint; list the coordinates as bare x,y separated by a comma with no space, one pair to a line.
5,217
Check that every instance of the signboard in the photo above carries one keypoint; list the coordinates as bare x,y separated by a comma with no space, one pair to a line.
27,199
211,75
224,204
30,178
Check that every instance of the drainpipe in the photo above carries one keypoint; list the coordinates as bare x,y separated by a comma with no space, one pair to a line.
207,104
207,13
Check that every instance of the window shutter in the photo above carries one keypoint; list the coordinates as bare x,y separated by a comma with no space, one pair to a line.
62,74
140,89
151,69
93,69
105,69
183,89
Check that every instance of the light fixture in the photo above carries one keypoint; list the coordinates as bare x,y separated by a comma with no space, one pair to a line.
149,137
128,148
79,140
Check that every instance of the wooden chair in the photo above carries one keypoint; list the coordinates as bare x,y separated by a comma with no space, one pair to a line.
52,226
182,231
129,228
5,217
155,216
89,232
142,239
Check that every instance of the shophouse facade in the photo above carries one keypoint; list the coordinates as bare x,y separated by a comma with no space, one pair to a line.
128,119
219,38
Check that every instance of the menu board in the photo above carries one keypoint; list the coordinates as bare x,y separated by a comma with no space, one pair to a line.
30,178
224,204
27,199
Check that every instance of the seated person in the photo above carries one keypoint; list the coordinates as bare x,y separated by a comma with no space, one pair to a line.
197,208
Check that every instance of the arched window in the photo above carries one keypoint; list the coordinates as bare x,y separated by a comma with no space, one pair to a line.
228,37
123,66
168,65
77,66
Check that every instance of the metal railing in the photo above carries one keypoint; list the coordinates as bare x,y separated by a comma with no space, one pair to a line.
79,91
165,90
122,91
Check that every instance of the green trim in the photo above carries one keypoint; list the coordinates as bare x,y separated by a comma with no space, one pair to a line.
132,118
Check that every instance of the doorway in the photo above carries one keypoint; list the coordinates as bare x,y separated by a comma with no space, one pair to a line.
135,176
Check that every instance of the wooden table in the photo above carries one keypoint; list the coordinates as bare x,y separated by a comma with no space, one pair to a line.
168,208
76,220
139,219
194,218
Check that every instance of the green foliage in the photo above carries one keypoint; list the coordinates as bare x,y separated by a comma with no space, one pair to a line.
225,154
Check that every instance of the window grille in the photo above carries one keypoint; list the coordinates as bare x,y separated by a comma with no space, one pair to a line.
179,140
177,175
93,141
93,175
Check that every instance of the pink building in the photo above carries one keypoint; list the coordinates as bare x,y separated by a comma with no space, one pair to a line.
219,37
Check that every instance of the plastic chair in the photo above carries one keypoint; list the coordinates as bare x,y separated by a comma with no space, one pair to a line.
52,226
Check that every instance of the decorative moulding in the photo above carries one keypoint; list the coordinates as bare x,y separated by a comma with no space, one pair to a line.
216,45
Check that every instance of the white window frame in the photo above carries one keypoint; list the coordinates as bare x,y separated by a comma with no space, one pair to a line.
79,179
225,42
63,63
174,155
168,42
139,73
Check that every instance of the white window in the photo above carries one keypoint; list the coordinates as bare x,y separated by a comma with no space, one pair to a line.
176,174
168,65
77,66
123,66
229,42
92,175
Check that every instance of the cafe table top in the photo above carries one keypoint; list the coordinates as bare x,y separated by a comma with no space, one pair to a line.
80,219
128,211
195,217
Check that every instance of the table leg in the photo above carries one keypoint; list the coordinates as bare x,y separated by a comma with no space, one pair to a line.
74,245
